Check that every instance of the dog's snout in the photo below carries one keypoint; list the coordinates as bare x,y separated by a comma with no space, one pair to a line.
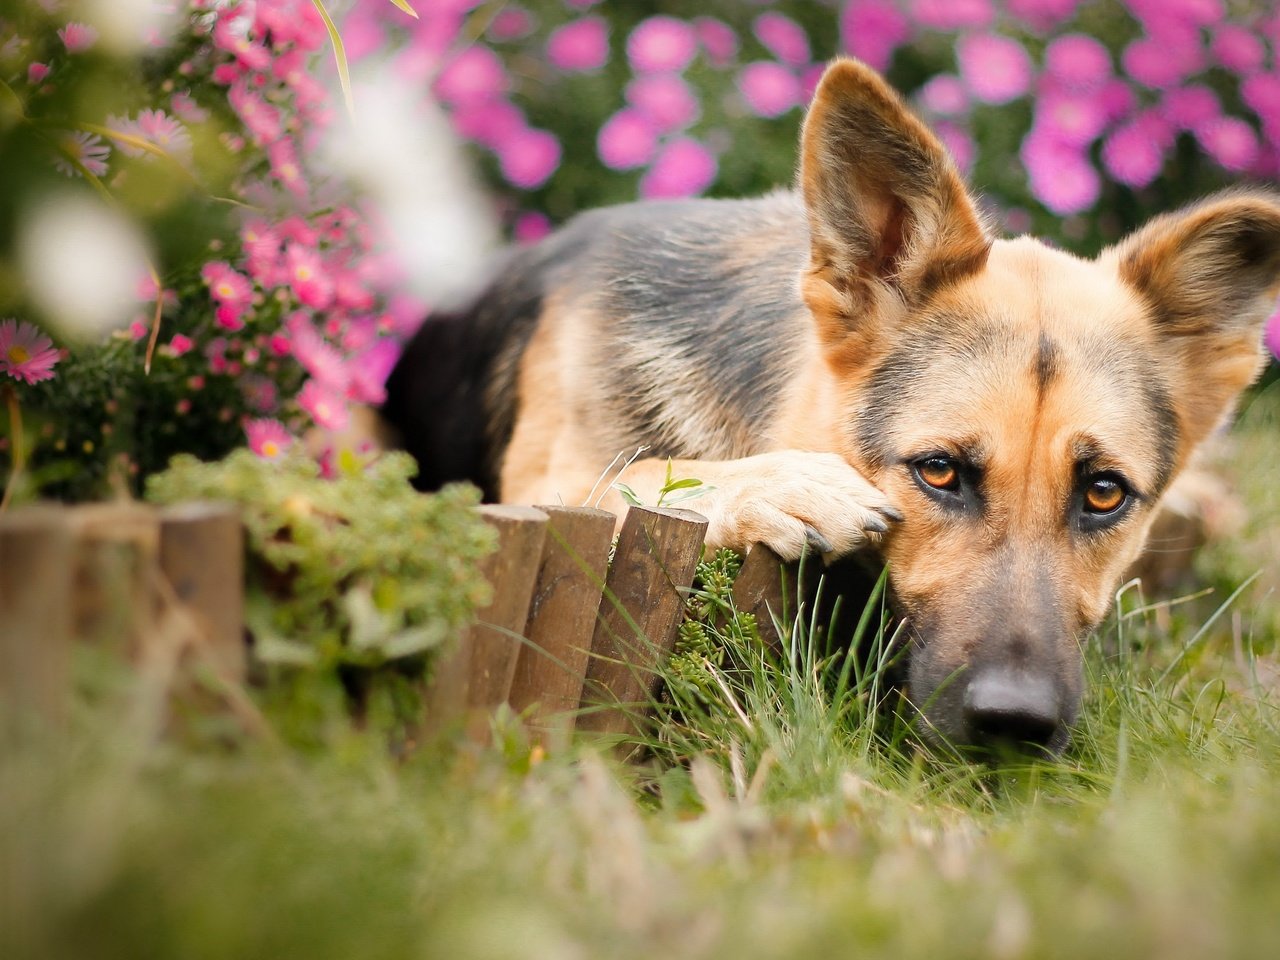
1005,706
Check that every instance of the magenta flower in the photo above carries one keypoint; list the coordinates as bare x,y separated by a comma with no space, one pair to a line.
1073,118
1191,106
661,43
996,69
157,127
261,118
1134,154
872,30
953,14
1261,93
315,354
510,23
26,354
268,438
717,39
958,143
226,284
684,168
1042,14
285,167
327,408
86,149
1230,141
489,122
769,88
36,72
474,74
1237,48
1060,175
628,139
1163,61
666,99
529,158
1077,62
78,37
1117,99
581,45
186,108
230,316
231,33
784,38
530,227
180,344
307,277
945,96
1272,335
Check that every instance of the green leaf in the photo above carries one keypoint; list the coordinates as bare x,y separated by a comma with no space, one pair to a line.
682,484
628,494
339,54
404,5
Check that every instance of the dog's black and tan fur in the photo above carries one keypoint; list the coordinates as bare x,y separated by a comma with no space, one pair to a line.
863,364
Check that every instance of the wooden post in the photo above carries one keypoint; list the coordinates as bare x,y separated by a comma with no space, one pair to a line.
36,564
476,676
117,558
652,570
768,588
552,666
202,556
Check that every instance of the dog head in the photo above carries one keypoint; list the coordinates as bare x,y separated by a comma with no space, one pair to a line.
1025,408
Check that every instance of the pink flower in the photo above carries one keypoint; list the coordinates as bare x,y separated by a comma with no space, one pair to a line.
1077,119
307,276
661,43
872,30
370,370
953,14
1077,62
1230,141
230,33
489,122
580,45
78,37
1261,93
958,143
666,99
1061,177
717,39
327,408
157,127
529,158
1237,48
186,108
226,285
268,438
474,74
285,167
684,168
36,72
510,23
138,329
1042,14
769,88
180,344
627,139
230,316
86,149
1272,335
261,243
784,38
26,354
530,227
1116,98
1134,154
945,96
316,355
1165,60
996,69
1190,106
261,118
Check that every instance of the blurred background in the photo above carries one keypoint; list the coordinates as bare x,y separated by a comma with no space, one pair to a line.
221,219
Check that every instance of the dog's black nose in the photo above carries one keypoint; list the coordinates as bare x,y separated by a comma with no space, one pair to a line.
1006,706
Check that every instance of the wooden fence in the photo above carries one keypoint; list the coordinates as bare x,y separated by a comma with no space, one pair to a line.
570,640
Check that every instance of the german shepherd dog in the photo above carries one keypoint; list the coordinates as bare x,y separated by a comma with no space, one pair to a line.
861,364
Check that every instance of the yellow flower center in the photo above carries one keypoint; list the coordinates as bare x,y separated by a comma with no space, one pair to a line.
17,354
303,273
225,290
270,449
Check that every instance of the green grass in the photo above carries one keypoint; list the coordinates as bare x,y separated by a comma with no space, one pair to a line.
776,816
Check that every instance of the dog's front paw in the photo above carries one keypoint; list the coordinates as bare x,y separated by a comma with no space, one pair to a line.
793,498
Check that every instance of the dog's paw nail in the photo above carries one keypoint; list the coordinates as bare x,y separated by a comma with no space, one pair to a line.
876,525
893,513
817,540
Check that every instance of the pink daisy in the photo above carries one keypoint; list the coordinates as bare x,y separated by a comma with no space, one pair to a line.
180,344
958,143
1190,106
1230,141
1163,61
717,39
327,408
489,122
996,69
474,74
666,99
581,45
226,284
1042,14
1134,154
784,38
1077,62
85,148
1070,117
1237,48
157,127
769,88
529,158
268,438
628,139
1060,175
872,30
684,168
530,227
25,353
945,96
1272,335
36,72
953,14
78,37
285,166
308,277
510,23
661,43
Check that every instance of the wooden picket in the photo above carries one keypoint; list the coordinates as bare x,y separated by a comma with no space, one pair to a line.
571,640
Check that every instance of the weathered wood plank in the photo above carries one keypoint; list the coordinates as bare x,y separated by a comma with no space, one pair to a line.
116,565
202,556
551,669
652,570
36,567
475,678
770,588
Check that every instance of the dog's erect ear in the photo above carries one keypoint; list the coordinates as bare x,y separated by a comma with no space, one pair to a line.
1210,274
887,209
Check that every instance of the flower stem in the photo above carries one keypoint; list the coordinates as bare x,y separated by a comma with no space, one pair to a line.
19,457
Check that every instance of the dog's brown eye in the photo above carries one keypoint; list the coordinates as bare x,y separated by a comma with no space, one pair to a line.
939,473
1103,495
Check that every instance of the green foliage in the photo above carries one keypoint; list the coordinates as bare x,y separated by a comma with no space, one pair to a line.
353,582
